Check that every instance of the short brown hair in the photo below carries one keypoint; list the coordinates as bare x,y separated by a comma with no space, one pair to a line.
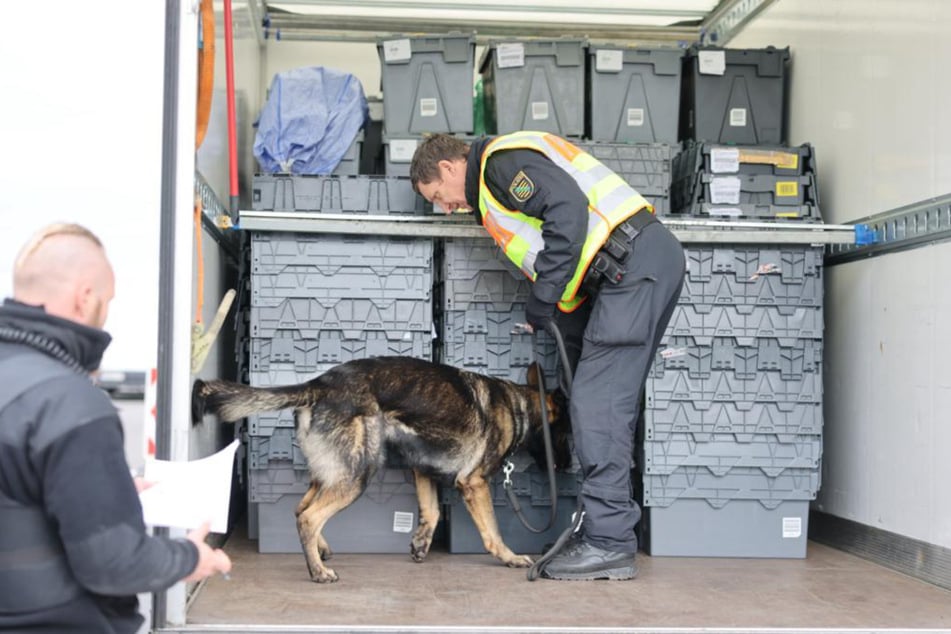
438,147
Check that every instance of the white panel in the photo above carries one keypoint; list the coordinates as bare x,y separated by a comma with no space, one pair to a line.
869,90
82,135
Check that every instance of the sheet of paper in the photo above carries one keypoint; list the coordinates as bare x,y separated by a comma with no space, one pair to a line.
186,494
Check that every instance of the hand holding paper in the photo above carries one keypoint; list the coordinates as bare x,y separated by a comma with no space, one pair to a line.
189,494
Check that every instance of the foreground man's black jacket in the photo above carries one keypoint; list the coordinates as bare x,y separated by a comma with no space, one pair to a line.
73,547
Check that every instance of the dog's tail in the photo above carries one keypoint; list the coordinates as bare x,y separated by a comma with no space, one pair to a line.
234,401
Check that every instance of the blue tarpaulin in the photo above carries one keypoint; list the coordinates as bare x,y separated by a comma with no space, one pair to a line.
310,120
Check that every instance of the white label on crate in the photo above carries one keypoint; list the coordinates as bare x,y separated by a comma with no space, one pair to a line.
397,50
635,117
792,527
724,211
428,107
738,117
711,62
402,150
510,55
671,353
608,61
402,522
725,190
725,159
539,110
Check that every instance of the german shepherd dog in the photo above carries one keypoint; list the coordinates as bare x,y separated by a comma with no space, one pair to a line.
442,422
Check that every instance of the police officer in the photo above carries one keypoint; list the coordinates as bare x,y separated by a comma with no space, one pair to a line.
605,271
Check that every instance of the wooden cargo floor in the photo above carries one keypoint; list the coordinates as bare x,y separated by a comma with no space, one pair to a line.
829,589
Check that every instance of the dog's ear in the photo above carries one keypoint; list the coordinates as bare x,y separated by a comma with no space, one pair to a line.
534,377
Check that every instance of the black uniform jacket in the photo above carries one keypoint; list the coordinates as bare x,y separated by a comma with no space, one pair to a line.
528,181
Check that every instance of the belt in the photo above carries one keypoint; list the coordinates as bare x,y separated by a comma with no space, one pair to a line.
608,262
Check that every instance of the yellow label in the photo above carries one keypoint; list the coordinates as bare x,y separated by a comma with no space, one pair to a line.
787,214
782,160
785,189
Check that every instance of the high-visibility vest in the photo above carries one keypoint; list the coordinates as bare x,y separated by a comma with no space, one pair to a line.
611,201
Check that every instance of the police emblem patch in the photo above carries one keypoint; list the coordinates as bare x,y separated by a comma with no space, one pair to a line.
522,187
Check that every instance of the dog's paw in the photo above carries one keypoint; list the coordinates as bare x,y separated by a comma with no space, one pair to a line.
519,561
324,575
419,548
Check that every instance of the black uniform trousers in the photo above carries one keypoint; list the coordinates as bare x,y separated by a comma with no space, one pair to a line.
611,342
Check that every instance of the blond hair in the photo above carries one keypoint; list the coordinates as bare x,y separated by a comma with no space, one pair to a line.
47,232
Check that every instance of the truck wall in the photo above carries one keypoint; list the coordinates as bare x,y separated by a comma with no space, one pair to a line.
868,90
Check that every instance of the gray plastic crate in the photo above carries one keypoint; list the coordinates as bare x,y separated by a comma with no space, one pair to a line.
327,284
740,483
791,264
465,258
664,386
742,528
499,290
791,213
720,456
532,489
746,358
783,322
633,94
348,318
482,341
277,252
265,424
287,358
644,166
765,290
398,150
734,95
756,189
705,421
382,520
776,160
337,194
427,82
534,85
349,165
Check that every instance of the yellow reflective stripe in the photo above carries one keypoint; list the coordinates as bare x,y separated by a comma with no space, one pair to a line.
585,162
610,201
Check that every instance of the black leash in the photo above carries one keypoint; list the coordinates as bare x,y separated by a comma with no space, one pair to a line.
539,564
549,459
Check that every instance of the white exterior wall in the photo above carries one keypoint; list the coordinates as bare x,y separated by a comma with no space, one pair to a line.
82,135
869,90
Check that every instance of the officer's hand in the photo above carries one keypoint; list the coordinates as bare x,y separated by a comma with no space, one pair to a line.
538,313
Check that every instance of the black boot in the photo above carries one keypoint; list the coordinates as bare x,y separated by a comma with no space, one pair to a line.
582,561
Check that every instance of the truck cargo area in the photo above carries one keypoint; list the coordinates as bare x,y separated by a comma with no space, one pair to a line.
828,590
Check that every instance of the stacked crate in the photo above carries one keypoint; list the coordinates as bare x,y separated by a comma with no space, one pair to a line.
318,301
632,98
733,410
479,299
746,182
426,89
732,434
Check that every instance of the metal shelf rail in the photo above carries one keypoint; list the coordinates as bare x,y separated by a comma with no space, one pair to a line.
922,223
687,230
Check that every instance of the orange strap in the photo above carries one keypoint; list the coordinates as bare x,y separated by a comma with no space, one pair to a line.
206,71
200,264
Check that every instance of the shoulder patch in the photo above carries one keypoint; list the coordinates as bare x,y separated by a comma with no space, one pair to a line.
522,187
